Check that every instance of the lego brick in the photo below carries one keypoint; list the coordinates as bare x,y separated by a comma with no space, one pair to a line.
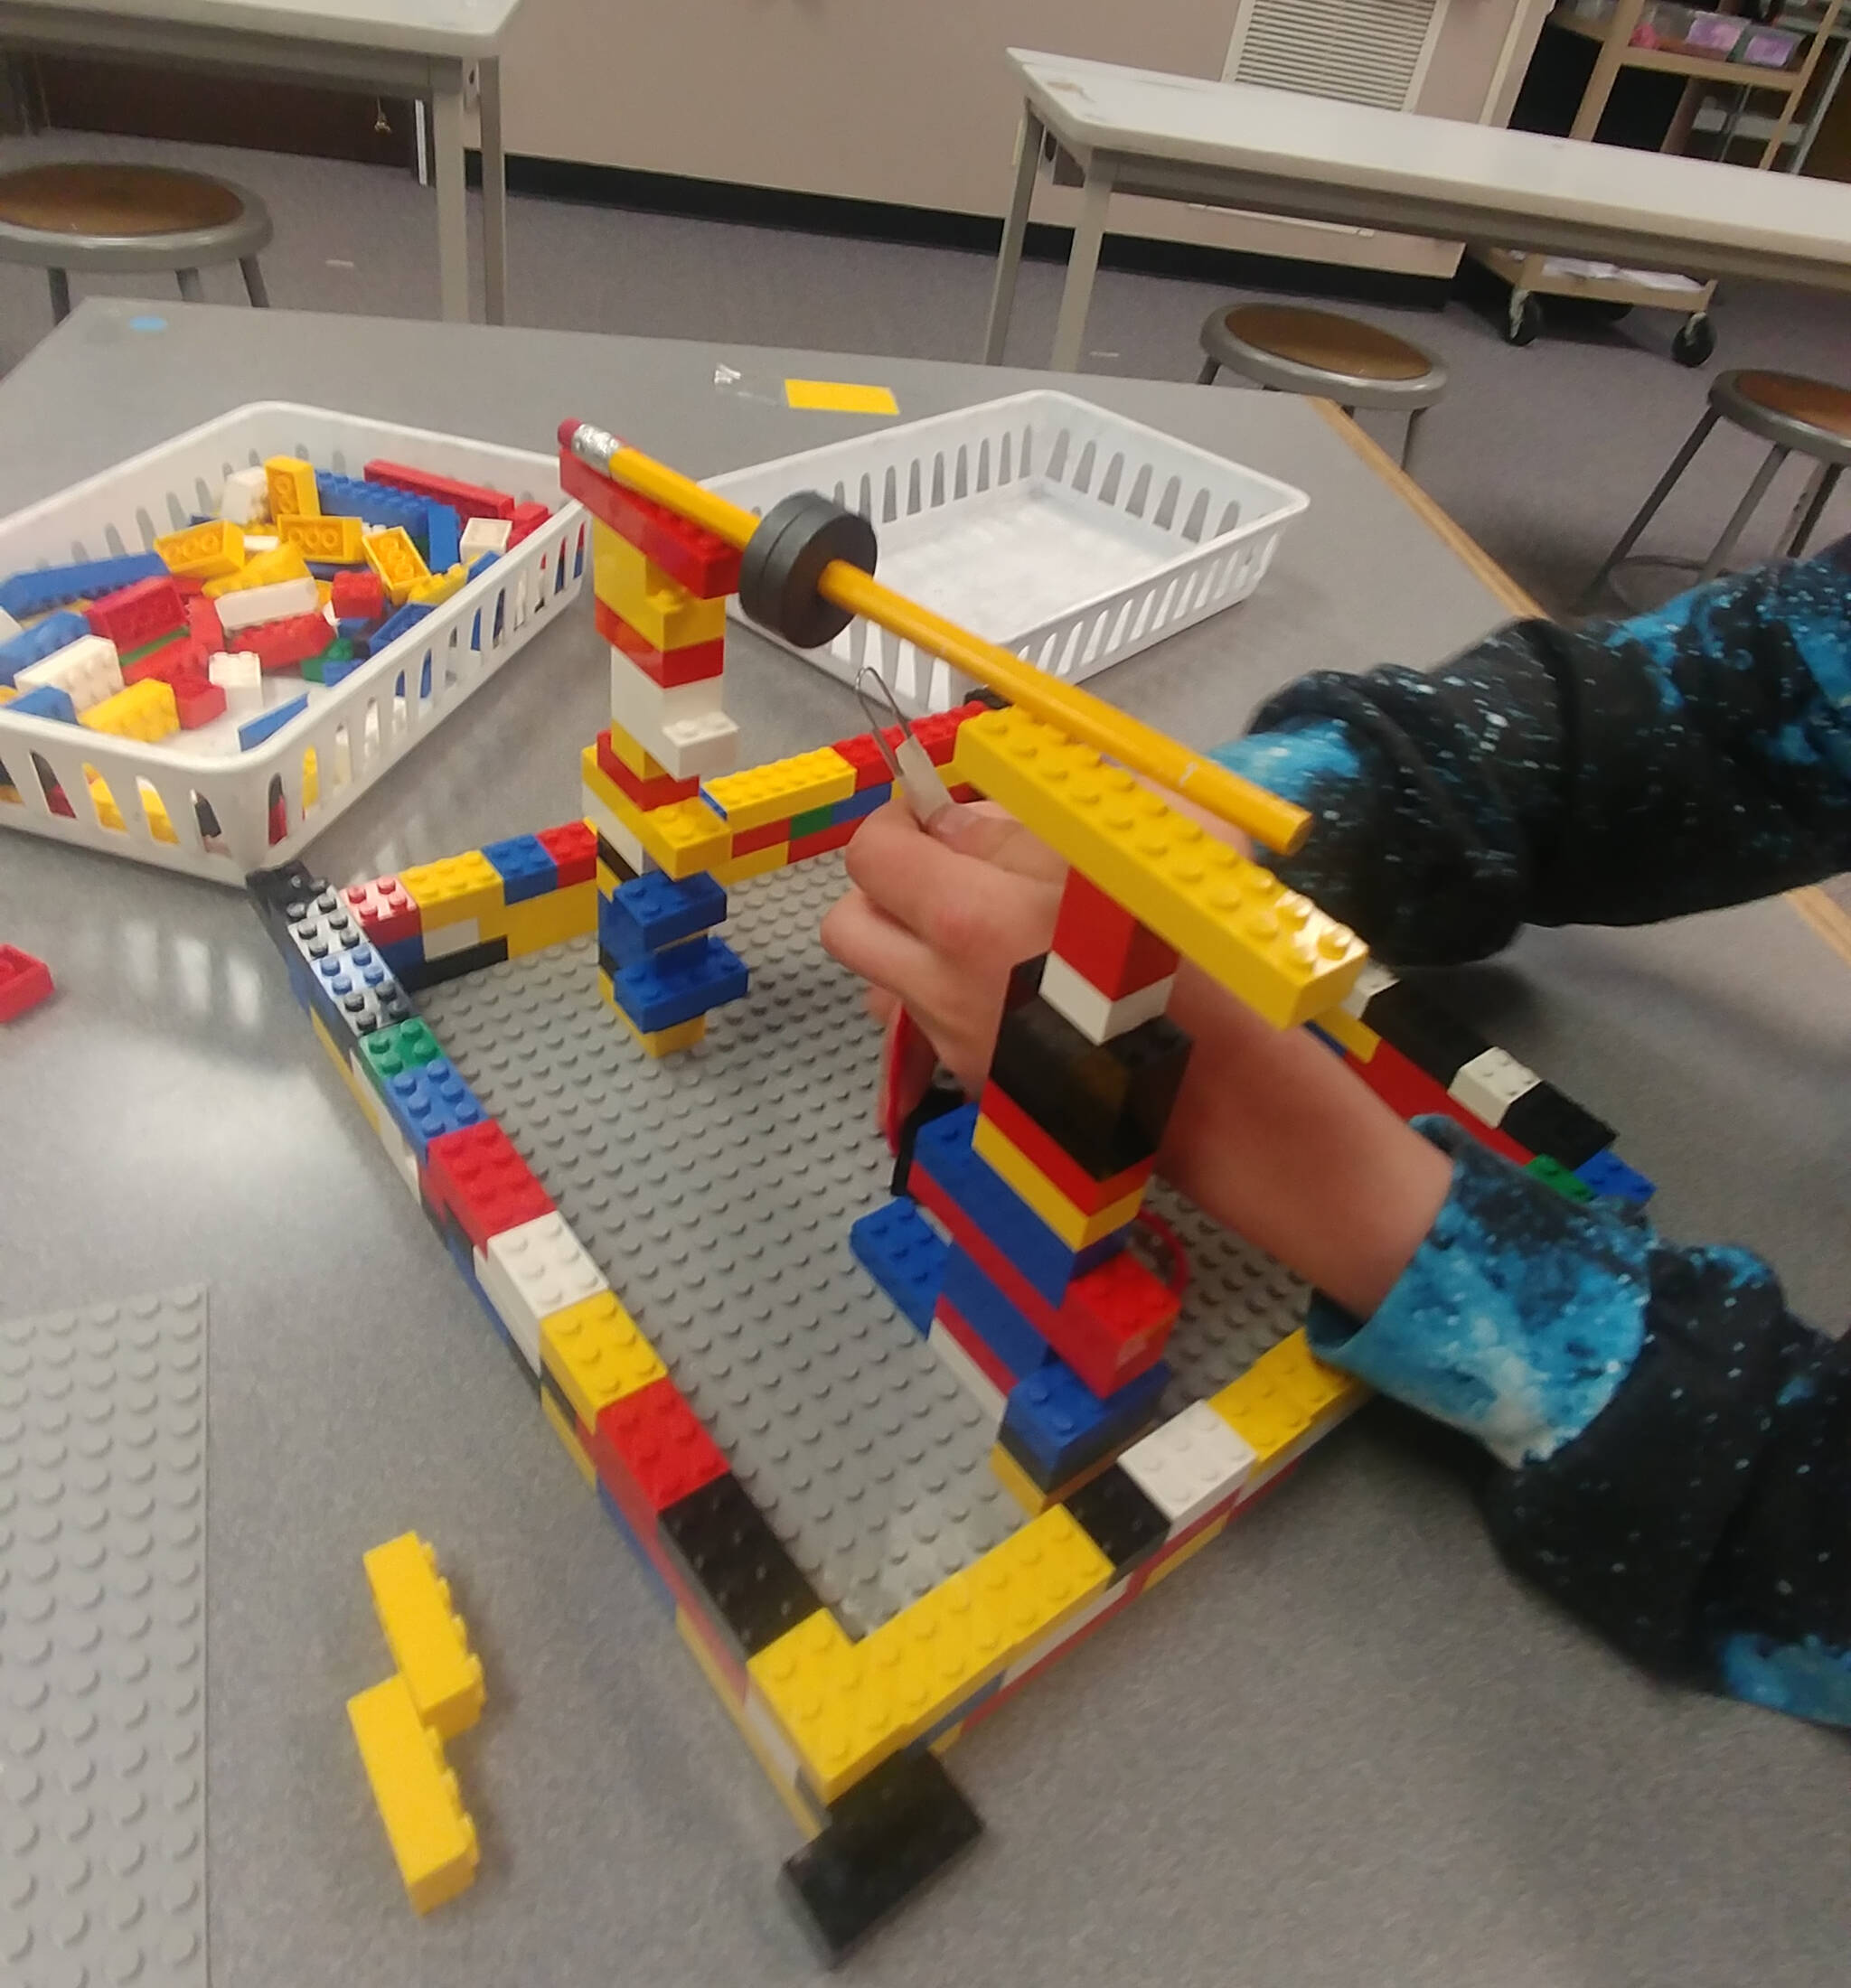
432,1837
549,919
202,624
655,1042
454,888
429,1100
144,711
574,850
206,551
977,1370
746,843
665,988
280,565
428,1638
237,676
566,1429
1014,1345
24,981
532,1271
452,966
682,839
661,610
759,794
1424,1032
27,646
1097,1018
1548,1123
693,662
864,755
254,731
289,640
135,616
408,1045
482,537
885,1838
740,869
86,671
1184,1549
286,600
629,751
172,656
735,1561
358,596
246,497
1355,1039
1410,1091
442,537
1189,1465
476,1176
801,849
289,484
652,1452
331,541
1267,945
595,1352
649,912
862,802
443,582
1570,1187
525,867
706,566
685,729
904,1256
44,588
383,909
529,517
467,500
1103,943
45,701
1607,1174
392,556
659,790
401,621
1054,1425
1119,1517
1283,1402
1070,1224
357,995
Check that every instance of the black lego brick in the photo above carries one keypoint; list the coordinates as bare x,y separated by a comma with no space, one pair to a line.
1106,1104
452,966
885,1838
1557,1128
1424,1032
942,1098
1118,1518
283,894
608,856
734,1558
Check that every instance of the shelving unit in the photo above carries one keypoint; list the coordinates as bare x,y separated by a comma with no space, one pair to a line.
1531,276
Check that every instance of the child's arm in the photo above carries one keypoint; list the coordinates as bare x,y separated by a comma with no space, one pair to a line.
1632,771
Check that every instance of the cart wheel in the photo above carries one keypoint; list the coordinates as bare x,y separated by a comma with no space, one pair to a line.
1696,341
1524,326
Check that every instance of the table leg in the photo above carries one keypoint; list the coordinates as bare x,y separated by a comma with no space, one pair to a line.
494,196
446,166
1015,230
1082,265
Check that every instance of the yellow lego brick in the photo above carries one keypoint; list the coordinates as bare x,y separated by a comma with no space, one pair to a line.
758,794
1018,1484
839,397
608,880
947,1739
645,765
596,1353
432,1837
145,710
547,921
562,1428
1355,1036
1072,1225
685,838
203,552
1286,1399
847,1707
342,1061
1168,1564
809,1816
736,869
661,610
1269,946
425,1635
656,1042
396,561
329,541
453,889
311,778
283,562
438,588
292,487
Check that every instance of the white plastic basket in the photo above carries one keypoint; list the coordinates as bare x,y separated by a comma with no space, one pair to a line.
1069,534
352,732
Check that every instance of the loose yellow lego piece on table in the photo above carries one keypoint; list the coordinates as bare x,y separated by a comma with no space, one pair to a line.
145,710
1073,1225
453,889
655,1042
425,1635
661,610
203,552
736,869
433,592
432,1837
400,565
596,1354
1267,945
330,541
283,562
561,1425
292,487
1284,1400
839,397
847,1707
758,794
548,920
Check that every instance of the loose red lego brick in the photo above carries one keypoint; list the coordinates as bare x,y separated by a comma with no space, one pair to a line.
655,792
181,658
197,700
690,555
25,981
203,625
467,500
1105,944
527,520
749,841
982,1355
476,1176
279,644
668,666
135,616
1062,1170
384,910
358,596
1405,1087
573,846
652,1452
864,755
838,837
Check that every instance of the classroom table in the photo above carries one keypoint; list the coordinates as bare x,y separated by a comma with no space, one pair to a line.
1341,1746
438,49
1277,152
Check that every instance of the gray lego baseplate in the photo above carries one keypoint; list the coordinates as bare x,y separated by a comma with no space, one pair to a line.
102,1646
716,1189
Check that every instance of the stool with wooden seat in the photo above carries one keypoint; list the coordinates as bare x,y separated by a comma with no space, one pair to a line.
1795,416
1292,349
127,220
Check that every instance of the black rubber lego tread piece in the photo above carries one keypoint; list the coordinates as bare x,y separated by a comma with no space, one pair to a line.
1557,1127
731,1556
1424,1032
452,966
1118,1518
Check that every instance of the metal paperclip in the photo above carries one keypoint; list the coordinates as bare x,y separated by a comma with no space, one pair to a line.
914,775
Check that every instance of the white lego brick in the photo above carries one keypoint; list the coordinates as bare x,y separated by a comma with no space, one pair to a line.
398,1147
1375,979
240,676
9,628
482,535
1063,1632
1189,1465
779,1753
86,671
686,729
454,937
249,605
259,541
246,498
621,838
975,1382
1491,1084
532,1271
1098,1018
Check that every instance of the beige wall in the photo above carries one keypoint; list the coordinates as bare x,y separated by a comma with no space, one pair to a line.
903,100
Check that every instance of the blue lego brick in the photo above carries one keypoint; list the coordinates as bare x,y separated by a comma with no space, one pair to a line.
333,669
905,1255
443,534
43,700
1330,1042
429,1102
342,975
49,586
254,731
32,645
674,987
1001,1324
401,622
990,1203
650,912
357,630
662,1592
862,804
1606,1173
477,568
377,503
1055,1426
404,956
525,867
331,570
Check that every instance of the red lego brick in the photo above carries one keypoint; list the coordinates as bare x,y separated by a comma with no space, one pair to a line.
749,841
135,616
24,981
838,837
476,1175
527,520
358,596
1408,1091
938,731
963,790
655,792
864,755
668,666
573,846
467,500
203,625
181,657
1063,1170
651,1452
983,1355
690,555
1105,944
384,911
279,644
197,700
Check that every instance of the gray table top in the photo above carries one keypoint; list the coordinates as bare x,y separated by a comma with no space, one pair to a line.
1343,1748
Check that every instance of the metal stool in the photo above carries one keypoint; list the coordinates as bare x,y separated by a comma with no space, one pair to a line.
1796,416
1291,350
128,219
